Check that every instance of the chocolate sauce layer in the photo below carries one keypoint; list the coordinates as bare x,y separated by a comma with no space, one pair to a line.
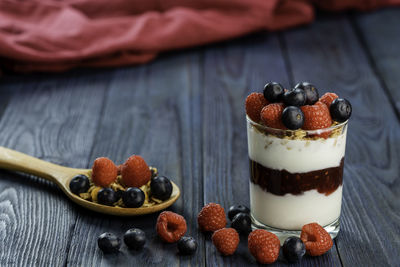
326,181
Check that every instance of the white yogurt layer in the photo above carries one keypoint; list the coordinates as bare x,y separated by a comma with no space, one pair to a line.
295,156
291,212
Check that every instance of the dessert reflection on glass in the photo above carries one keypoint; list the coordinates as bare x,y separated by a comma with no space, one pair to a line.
296,146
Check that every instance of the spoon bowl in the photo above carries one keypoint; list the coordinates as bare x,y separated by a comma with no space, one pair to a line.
60,175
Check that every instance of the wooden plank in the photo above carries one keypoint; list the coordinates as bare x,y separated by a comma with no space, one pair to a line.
47,118
153,111
329,54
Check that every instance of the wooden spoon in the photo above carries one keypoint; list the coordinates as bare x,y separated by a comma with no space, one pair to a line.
17,161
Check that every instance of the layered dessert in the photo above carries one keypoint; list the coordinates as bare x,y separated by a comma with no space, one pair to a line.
296,145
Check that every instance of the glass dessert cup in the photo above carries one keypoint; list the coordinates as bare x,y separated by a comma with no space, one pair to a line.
296,177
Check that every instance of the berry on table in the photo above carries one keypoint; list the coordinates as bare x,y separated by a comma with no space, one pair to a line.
254,104
316,239
327,98
108,243
264,246
104,172
340,109
106,196
295,97
235,209
242,223
161,187
79,184
133,197
187,245
135,172
311,92
170,226
211,217
293,249
271,115
273,92
135,238
226,240
292,117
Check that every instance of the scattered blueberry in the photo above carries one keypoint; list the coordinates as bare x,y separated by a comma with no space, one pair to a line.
340,109
293,117
296,97
311,91
273,92
187,245
161,187
106,196
235,209
293,249
242,222
133,197
109,243
135,238
79,184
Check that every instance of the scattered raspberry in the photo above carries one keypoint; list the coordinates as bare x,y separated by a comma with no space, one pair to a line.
170,226
254,104
135,172
264,246
271,115
328,98
226,240
104,172
316,239
317,116
211,217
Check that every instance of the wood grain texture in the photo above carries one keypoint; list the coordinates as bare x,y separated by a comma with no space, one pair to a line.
46,118
335,61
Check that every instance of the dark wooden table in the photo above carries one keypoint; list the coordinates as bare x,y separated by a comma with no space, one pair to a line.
184,114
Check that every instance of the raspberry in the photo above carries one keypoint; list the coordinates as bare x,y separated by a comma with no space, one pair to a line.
316,239
135,172
317,116
226,240
254,104
271,115
170,226
119,169
104,172
328,98
211,217
264,246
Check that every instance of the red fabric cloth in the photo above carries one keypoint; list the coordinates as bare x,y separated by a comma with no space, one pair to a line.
54,35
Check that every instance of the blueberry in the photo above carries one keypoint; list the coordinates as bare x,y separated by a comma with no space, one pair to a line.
293,249
79,184
135,238
242,223
109,243
273,92
340,109
293,117
106,196
133,197
235,209
187,245
161,187
295,97
311,91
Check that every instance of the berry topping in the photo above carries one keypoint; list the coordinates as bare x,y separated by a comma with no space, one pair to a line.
273,92
79,184
135,238
242,223
106,196
108,243
161,187
254,104
133,197
104,172
170,226
328,98
264,246
311,92
293,249
187,245
211,217
226,240
340,109
271,115
292,117
235,209
316,116
296,97
135,172
316,239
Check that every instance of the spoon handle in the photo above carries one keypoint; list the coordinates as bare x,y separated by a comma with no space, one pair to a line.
17,161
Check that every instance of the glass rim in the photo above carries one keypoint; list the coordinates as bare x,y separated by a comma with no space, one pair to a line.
309,132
